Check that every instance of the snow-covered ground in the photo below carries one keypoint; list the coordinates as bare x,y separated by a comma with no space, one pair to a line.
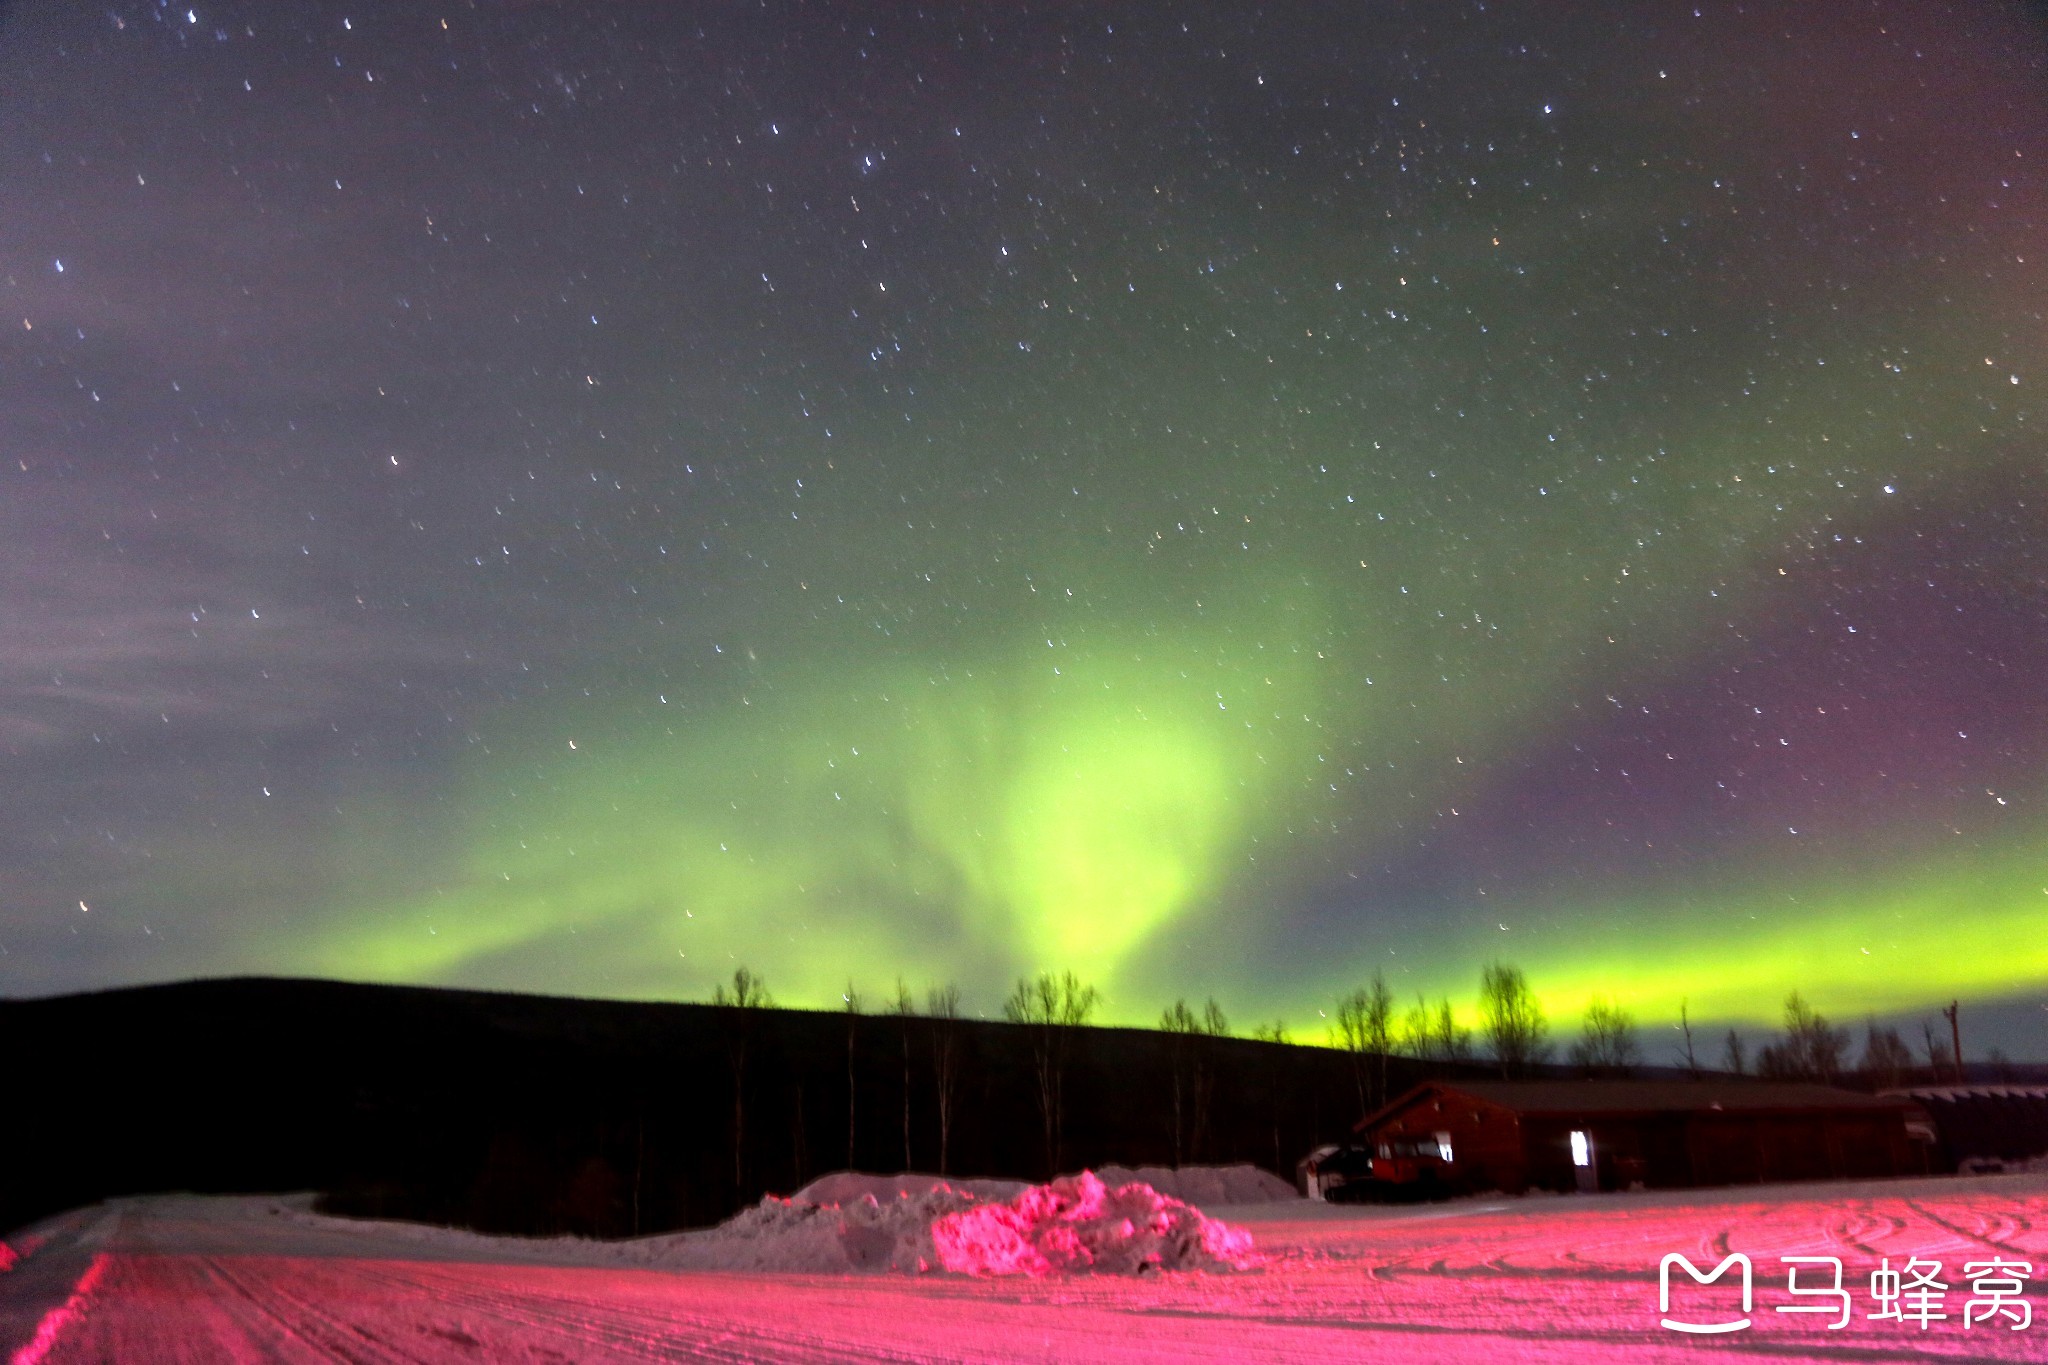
177,1278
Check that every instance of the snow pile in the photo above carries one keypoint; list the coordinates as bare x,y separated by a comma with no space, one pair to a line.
1203,1186
1206,1186
1078,1224
1106,1223
792,1235
913,1223
847,1187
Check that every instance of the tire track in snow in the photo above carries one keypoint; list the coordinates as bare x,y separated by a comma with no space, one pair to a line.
2000,1239
64,1316
321,1332
626,1330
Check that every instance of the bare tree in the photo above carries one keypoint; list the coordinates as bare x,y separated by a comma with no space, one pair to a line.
1811,1050
1734,1057
1886,1058
1351,1012
905,1010
1692,1062
1513,1020
1416,1036
1939,1058
748,995
1365,1026
1379,1032
748,992
1433,1034
942,1003
1214,1025
1180,1026
1052,1007
1275,1032
853,1013
1191,1071
1607,1038
1450,1041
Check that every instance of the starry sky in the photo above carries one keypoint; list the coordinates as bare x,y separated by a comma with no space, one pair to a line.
1221,498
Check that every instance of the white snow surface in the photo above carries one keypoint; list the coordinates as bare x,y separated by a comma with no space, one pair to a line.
916,1223
1079,1224
852,1222
1203,1186
846,1187
1570,1279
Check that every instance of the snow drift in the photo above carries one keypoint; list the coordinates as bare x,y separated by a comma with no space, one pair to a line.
1203,1186
1079,1224
789,1234
847,1187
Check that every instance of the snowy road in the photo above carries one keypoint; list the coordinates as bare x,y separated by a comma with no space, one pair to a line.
179,1278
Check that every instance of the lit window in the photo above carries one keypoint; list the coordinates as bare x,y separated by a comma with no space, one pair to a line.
1582,1149
1443,1145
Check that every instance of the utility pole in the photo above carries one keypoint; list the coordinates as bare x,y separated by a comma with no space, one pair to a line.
1955,1033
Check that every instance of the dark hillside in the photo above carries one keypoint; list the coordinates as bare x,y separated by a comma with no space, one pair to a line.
537,1114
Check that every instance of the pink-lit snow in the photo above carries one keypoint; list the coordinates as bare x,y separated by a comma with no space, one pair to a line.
183,1278
1203,1186
1079,1224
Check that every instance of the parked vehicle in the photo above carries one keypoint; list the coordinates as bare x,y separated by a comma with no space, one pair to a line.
1394,1171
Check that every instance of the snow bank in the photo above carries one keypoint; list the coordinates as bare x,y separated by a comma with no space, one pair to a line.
1206,1186
1203,1186
847,1187
792,1235
1106,1223
1078,1223
990,1227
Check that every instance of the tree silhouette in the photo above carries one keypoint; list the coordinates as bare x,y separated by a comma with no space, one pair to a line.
1886,1058
1275,1032
1052,1007
1365,1027
905,1010
748,995
1940,1057
1607,1038
1434,1035
1692,1063
942,1003
1811,1050
852,1001
1192,1072
1513,1020
1734,1057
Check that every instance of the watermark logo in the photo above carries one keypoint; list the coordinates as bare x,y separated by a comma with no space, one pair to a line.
1734,1258
1914,1295
1831,1291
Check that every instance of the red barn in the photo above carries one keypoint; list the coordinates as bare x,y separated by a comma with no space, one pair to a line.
1617,1135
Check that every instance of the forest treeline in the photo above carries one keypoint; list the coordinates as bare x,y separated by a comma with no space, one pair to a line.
544,1115
1382,1037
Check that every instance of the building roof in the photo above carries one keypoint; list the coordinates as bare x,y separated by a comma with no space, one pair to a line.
2008,1122
1952,1093
1564,1098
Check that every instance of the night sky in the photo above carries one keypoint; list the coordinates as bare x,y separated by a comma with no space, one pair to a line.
1222,498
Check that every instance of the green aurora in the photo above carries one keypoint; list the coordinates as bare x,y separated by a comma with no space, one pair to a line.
1196,712
1224,506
